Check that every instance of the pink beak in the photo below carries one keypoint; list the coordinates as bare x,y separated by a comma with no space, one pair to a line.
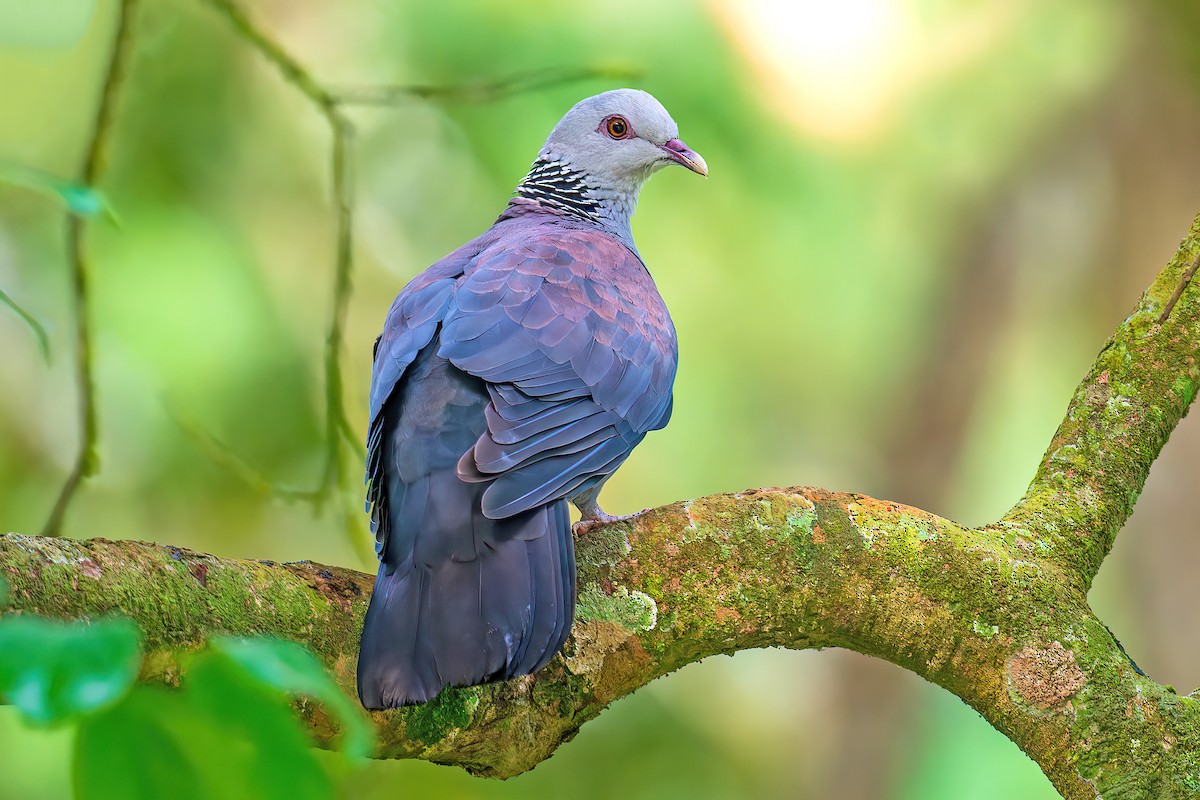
680,153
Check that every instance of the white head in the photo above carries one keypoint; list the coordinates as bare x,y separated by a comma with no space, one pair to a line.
620,137
598,156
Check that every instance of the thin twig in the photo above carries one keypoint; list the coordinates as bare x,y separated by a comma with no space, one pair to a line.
226,457
333,473
1183,284
335,410
353,440
39,332
293,73
481,91
86,461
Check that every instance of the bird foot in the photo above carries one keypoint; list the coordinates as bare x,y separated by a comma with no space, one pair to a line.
596,517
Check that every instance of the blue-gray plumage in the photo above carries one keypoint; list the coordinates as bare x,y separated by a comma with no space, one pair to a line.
515,374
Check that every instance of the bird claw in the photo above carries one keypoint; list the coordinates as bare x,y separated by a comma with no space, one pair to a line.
596,518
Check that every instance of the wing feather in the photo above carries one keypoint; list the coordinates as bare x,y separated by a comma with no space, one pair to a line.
569,332
567,329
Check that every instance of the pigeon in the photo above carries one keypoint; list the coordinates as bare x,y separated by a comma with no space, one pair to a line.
512,376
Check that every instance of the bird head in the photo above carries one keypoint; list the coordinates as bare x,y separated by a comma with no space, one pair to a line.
620,138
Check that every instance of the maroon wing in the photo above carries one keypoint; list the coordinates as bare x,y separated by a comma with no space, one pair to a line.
579,354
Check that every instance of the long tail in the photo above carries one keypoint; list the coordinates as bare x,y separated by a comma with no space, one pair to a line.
473,600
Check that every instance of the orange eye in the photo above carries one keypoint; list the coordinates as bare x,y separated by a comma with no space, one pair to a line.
616,127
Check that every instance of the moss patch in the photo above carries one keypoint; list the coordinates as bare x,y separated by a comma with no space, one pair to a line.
602,547
1186,389
452,708
635,611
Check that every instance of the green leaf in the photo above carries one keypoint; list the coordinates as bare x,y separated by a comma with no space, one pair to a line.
145,747
223,735
46,23
3,590
53,671
85,201
82,200
290,668
39,332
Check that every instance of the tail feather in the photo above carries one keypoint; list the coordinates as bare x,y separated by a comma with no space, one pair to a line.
552,562
400,594
504,613
461,598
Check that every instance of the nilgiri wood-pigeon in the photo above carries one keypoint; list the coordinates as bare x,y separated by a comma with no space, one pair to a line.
515,374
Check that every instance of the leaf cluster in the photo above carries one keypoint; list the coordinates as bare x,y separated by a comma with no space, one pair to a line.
227,730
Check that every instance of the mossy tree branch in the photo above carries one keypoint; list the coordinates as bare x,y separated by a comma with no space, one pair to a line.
998,615
1140,386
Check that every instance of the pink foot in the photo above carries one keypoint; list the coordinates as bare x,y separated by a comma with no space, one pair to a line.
597,518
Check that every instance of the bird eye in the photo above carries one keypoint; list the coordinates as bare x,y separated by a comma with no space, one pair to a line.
616,127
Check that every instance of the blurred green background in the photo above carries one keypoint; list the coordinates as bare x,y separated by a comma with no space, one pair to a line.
923,220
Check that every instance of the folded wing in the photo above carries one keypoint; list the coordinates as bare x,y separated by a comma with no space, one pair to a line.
578,354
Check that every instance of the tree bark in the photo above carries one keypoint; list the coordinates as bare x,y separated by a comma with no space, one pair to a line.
998,614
